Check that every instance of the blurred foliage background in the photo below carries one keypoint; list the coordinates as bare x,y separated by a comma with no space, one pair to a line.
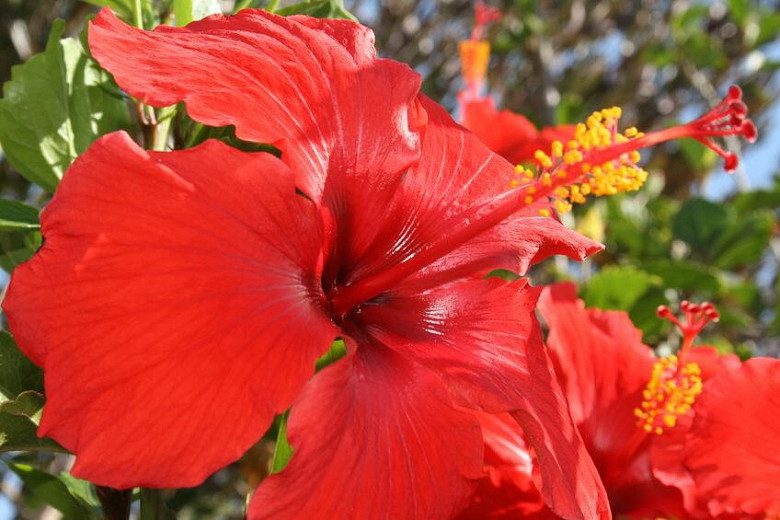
555,62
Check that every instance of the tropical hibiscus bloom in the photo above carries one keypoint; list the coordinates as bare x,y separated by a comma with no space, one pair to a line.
181,299
510,135
690,455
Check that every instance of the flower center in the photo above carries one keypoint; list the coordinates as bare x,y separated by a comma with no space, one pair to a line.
670,393
574,160
599,161
674,384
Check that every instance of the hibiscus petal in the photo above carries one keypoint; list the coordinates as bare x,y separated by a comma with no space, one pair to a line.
508,491
456,173
600,360
603,367
510,135
174,308
667,451
483,338
312,88
374,436
732,448
503,132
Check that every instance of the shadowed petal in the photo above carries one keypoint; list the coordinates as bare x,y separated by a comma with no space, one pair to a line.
484,340
508,490
174,308
603,367
374,436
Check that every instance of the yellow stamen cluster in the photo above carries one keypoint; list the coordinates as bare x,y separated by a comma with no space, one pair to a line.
568,166
670,393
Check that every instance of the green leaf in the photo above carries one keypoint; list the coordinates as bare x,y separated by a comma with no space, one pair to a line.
17,373
54,107
19,425
15,215
81,489
17,247
685,275
51,490
643,314
617,288
123,8
187,11
319,9
743,242
283,452
245,4
750,201
699,222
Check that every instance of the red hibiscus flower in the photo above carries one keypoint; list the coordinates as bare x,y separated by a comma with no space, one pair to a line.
510,135
731,450
181,298
689,458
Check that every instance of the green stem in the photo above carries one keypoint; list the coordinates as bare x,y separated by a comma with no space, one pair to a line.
163,127
138,14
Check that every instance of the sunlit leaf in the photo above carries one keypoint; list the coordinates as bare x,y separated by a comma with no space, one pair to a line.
187,11
54,106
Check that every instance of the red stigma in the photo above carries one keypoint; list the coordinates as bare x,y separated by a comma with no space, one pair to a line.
695,317
728,118
483,15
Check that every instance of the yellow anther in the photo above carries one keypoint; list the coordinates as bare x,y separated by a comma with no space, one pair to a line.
572,157
584,166
543,159
557,149
544,212
669,394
